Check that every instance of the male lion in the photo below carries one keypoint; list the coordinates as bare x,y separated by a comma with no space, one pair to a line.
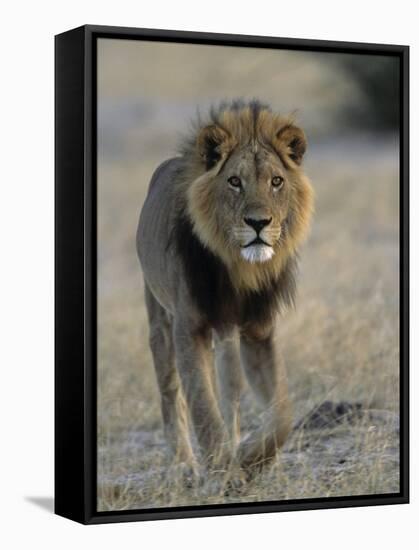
217,240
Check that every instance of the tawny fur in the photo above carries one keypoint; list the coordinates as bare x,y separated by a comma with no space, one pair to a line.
234,128
193,239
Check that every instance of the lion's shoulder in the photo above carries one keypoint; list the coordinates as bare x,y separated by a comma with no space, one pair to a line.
165,173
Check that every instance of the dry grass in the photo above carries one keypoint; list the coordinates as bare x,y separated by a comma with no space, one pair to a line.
340,344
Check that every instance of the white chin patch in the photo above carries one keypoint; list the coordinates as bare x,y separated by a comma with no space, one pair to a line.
257,253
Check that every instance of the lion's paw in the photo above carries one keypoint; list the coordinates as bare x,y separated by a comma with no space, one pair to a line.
225,482
188,475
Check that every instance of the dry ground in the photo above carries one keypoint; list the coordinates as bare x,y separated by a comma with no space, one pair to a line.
340,344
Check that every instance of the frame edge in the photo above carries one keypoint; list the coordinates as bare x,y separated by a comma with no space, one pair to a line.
69,275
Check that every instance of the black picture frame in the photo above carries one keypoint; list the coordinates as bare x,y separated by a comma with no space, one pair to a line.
76,273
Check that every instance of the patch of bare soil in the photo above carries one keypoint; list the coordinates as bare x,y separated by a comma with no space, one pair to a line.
326,450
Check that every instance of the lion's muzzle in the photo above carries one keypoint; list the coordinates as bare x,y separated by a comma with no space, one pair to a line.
257,238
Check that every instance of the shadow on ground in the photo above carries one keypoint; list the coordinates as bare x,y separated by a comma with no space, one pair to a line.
46,503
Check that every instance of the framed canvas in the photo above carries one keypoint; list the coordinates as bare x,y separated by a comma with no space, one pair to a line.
231,274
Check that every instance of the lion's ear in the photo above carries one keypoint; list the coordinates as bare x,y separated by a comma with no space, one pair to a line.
292,141
211,143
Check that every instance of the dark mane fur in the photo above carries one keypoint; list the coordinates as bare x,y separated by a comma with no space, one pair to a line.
211,289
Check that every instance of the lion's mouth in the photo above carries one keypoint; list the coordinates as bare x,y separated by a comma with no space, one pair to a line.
257,241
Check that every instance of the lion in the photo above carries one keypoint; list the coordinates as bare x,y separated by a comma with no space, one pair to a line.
218,240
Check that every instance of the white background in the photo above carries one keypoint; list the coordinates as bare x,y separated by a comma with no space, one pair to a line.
26,239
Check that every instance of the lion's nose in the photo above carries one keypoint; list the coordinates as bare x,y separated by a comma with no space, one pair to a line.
258,224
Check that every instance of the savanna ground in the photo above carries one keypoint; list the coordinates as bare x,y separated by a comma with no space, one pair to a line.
340,344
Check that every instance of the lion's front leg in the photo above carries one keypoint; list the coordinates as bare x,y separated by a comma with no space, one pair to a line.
173,406
230,378
265,370
194,363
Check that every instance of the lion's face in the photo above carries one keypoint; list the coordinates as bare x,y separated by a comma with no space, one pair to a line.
252,190
249,200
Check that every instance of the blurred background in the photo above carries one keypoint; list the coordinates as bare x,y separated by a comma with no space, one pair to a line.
341,343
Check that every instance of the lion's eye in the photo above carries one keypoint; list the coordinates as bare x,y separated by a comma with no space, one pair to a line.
235,181
277,182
